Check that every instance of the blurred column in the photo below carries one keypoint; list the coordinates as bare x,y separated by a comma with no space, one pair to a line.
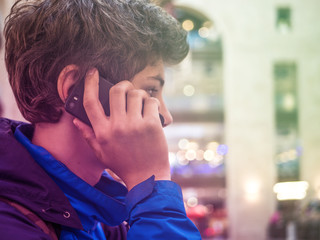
249,121
309,122
308,53
250,137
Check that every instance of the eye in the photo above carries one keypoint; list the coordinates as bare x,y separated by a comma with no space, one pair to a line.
152,91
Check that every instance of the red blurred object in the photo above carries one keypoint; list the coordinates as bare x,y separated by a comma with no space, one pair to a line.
209,232
198,211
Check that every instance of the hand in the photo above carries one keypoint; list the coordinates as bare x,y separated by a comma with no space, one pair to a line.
130,142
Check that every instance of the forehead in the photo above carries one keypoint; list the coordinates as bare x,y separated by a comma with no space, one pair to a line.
154,71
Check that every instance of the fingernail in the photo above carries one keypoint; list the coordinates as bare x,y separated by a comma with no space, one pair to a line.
91,71
75,122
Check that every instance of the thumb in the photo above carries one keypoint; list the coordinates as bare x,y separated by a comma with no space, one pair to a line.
87,133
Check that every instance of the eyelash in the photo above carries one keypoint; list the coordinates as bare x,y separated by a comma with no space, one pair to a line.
152,91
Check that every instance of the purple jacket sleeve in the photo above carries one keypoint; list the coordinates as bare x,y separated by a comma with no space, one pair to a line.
14,225
156,211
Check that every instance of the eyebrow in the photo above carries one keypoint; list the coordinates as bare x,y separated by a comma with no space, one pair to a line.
158,78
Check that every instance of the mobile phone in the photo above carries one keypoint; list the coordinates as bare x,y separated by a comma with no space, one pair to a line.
74,102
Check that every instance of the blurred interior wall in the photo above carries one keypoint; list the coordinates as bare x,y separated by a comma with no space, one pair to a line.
248,112
252,45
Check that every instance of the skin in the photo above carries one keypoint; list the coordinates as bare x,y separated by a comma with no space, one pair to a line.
130,142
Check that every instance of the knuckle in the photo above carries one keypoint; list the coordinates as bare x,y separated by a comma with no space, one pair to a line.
125,83
136,129
87,136
124,132
136,93
117,89
153,100
121,87
119,131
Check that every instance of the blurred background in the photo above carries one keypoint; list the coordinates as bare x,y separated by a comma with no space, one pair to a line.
245,142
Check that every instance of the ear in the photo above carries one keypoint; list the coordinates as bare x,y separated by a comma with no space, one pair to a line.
67,78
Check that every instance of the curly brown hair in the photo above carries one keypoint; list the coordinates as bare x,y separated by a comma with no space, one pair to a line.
118,37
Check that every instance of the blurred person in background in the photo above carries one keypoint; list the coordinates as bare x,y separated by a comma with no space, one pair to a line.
53,183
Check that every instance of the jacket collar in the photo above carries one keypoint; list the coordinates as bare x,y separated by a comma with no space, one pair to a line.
30,185
23,181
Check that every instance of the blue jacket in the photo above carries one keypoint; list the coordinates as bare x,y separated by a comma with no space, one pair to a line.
31,177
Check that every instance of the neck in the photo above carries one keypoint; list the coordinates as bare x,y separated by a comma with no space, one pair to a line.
66,144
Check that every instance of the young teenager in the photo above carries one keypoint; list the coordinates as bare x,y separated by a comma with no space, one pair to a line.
53,183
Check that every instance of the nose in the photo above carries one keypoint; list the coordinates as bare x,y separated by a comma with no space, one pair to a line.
166,114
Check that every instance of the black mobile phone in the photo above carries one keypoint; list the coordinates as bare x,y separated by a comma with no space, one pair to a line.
74,102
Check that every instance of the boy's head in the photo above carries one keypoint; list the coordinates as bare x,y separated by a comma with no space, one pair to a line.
118,37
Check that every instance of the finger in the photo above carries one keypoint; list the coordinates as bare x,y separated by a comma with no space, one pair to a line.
87,133
135,101
151,109
91,101
117,99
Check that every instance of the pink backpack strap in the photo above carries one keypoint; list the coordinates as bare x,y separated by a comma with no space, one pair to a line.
46,227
